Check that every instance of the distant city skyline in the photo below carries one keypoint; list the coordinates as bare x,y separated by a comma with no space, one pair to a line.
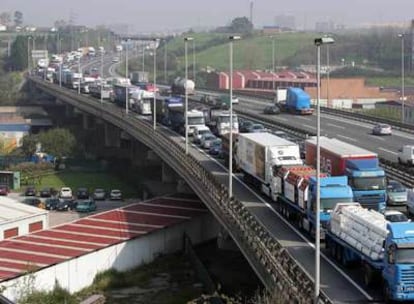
161,15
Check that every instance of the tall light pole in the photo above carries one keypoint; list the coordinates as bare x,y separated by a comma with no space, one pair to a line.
102,77
126,76
401,36
186,39
273,64
165,62
194,63
318,43
155,82
231,38
28,54
79,76
143,57
60,74
327,76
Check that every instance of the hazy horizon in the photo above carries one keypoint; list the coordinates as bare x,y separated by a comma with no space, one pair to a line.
164,15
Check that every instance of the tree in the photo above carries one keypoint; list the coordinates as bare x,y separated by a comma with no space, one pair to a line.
29,144
18,18
57,142
241,25
18,58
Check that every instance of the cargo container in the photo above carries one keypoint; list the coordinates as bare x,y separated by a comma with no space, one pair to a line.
365,176
180,85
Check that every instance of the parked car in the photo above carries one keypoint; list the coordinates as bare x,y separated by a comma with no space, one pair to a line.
115,194
65,192
82,193
30,191
32,201
273,109
396,193
4,190
215,147
86,206
66,204
206,140
256,128
47,192
51,203
115,59
382,129
99,194
395,216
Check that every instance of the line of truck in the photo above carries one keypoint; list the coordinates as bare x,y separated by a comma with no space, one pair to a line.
353,232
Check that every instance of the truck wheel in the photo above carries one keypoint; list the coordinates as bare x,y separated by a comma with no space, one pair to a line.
399,161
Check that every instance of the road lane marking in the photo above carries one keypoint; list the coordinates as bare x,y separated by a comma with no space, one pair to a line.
336,126
388,151
346,137
309,126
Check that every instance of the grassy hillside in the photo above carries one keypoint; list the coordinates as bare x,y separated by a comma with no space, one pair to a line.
249,53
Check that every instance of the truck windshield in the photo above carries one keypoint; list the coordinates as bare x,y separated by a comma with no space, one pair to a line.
330,203
404,256
223,119
196,120
367,183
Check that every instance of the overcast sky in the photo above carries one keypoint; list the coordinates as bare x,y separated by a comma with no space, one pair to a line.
159,15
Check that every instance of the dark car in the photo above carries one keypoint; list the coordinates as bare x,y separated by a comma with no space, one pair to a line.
256,128
82,193
30,191
4,190
66,204
215,147
273,109
47,192
51,203
32,201
245,125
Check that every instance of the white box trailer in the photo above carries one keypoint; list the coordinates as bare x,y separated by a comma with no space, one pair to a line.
258,153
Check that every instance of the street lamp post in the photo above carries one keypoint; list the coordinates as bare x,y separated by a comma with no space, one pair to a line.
194,63
143,57
79,76
231,38
60,74
318,43
28,54
155,81
102,77
327,76
126,76
186,39
401,36
273,64
165,63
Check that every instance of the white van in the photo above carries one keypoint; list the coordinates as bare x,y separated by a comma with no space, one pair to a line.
406,155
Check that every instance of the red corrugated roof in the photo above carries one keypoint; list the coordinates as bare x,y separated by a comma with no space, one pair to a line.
58,244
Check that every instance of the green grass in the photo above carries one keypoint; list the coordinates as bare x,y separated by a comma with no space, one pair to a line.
388,81
253,52
90,180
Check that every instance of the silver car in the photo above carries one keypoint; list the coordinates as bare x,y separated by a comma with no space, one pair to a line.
206,140
396,193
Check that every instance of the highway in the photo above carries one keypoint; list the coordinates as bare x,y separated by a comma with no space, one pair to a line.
343,286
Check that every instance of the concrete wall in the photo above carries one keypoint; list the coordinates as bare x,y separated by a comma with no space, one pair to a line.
78,273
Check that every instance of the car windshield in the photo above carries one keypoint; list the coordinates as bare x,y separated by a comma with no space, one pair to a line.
85,203
99,190
368,183
396,187
209,137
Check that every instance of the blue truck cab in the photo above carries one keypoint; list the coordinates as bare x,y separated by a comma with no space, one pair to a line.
333,190
298,101
398,265
367,180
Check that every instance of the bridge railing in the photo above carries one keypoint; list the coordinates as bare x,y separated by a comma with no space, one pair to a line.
279,271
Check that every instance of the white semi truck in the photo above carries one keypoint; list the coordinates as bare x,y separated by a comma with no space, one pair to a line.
257,155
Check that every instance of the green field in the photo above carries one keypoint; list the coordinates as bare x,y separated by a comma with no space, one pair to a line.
90,180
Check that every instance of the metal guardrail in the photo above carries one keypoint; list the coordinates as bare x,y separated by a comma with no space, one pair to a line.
278,270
